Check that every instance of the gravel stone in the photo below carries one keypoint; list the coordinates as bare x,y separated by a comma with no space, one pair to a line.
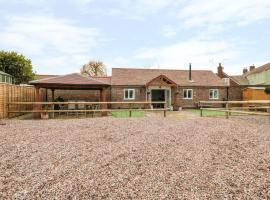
135,158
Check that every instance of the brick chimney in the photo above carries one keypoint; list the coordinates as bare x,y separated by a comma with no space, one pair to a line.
220,70
252,67
190,73
245,70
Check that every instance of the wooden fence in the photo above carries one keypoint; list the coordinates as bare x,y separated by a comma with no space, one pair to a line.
14,93
40,109
253,107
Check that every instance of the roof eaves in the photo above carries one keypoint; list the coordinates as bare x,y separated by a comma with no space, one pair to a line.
4,73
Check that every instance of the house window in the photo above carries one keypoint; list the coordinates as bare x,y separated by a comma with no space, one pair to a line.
129,94
226,81
187,94
213,94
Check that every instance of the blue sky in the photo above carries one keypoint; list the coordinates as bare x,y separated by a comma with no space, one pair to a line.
60,36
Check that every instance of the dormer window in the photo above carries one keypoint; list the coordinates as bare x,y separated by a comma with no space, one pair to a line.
226,81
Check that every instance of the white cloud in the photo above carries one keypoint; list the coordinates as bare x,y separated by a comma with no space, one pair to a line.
139,9
240,12
169,31
46,38
127,9
151,5
23,1
81,3
200,53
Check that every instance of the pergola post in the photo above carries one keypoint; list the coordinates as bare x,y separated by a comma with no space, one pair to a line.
176,98
52,101
37,106
52,95
103,98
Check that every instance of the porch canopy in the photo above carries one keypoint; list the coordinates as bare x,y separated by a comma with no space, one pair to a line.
161,80
73,81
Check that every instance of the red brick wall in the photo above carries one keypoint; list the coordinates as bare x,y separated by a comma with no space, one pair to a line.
235,93
117,95
76,95
199,94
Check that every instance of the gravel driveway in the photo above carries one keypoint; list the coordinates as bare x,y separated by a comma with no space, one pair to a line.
136,158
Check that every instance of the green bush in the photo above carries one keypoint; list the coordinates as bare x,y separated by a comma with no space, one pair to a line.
16,65
267,90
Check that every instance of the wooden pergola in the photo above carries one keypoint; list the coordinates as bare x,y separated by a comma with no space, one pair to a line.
70,82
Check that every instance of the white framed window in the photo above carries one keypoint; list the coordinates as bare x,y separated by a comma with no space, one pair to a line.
213,94
187,94
226,81
129,94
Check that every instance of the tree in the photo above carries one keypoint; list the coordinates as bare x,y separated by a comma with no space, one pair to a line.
94,68
16,65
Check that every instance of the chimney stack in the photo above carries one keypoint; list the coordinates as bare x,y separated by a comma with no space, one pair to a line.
252,67
245,70
189,74
220,71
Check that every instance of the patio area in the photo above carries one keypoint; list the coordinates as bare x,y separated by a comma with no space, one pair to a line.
70,82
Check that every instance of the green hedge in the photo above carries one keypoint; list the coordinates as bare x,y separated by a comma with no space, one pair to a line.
267,90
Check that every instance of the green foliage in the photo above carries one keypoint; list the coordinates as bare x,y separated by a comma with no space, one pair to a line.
16,65
267,90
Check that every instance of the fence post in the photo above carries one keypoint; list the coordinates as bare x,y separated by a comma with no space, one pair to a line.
227,108
129,109
165,113
269,114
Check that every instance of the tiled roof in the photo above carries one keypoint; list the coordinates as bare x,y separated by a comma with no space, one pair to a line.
42,76
131,76
258,69
71,79
237,78
105,79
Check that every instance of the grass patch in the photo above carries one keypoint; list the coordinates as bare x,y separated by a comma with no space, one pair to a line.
207,112
126,114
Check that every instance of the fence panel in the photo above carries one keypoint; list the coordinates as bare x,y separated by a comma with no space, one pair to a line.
14,93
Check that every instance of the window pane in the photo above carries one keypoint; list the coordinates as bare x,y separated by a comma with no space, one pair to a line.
189,94
131,94
126,94
210,94
185,93
216,94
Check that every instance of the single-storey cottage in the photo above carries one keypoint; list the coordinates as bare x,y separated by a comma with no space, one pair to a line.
178,88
